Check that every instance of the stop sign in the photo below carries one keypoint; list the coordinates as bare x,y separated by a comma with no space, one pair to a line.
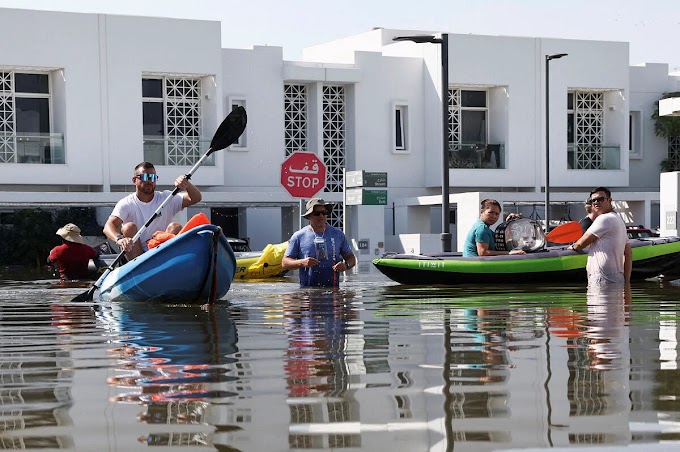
303,174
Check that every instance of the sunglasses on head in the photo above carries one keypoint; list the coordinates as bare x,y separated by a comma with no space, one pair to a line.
147,177
318,213
599,199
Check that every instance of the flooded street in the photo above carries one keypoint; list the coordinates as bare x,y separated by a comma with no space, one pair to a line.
372,366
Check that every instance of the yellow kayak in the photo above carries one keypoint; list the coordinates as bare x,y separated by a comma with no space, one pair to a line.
260,264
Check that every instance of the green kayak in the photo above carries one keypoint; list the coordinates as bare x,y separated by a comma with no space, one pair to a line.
655,256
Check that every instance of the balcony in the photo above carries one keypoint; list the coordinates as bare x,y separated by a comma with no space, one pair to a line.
476,156
40,148
176,151
594,157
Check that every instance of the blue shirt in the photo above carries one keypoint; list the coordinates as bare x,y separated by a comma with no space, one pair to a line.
301,245
481,233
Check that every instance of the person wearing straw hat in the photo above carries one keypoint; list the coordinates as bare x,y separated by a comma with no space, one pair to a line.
320,251
73,256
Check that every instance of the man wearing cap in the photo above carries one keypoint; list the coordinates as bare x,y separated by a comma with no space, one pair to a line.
133,211
320,251
73,255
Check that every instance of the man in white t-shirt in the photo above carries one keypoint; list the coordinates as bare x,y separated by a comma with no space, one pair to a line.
133,211
609,253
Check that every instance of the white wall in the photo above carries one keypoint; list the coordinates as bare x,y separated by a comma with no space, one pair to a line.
138,45
670,203
263,227
255,75
510,64
648,83
97,105
376,97
36,40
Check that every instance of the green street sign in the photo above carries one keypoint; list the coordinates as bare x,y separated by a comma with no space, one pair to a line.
365,179
365,197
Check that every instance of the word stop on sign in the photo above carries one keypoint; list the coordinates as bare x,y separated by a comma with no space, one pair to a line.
303,181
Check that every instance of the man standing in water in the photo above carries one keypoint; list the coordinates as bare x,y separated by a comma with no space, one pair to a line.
320,251
609,254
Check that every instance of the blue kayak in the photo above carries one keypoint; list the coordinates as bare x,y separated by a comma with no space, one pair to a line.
182,269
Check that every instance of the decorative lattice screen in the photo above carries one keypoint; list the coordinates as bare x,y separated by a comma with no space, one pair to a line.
454,117
589,130
183,120
7,115
295,121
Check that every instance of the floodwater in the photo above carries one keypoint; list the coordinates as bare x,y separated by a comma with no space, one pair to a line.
371,366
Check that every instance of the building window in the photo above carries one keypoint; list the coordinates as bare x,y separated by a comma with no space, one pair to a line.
674,152
468,113
467,117
25,120
242,142
334,136
585,130
635,135
400,123
171,110
295,122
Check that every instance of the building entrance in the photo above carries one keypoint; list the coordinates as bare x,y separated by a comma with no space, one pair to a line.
227,219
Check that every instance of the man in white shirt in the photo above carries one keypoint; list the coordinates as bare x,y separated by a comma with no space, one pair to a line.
609,253
133,211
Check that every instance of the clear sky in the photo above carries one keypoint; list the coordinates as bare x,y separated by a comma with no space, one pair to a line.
652,27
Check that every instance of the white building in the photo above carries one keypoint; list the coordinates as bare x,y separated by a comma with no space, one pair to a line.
85,97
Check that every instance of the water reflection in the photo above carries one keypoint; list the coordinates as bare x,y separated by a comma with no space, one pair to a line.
37,371
543,369
321,361
600,384
369,366
174,362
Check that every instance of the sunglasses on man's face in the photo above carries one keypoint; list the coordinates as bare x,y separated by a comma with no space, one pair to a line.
147,177
318,213
598,200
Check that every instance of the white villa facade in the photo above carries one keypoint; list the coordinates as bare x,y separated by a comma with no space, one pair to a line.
85,97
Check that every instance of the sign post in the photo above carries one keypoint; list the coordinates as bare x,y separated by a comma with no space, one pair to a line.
361,195
366,188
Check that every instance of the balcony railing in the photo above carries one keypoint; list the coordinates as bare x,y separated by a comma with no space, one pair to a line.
176,151
41,148
594,157
482,156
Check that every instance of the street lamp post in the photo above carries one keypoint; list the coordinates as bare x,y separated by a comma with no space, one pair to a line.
444,42
548,58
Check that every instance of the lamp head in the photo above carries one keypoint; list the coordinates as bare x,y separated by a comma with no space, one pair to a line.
555,56
418,39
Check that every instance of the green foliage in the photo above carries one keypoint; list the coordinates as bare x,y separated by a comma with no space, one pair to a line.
31,233
667,127
668,166
83,217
